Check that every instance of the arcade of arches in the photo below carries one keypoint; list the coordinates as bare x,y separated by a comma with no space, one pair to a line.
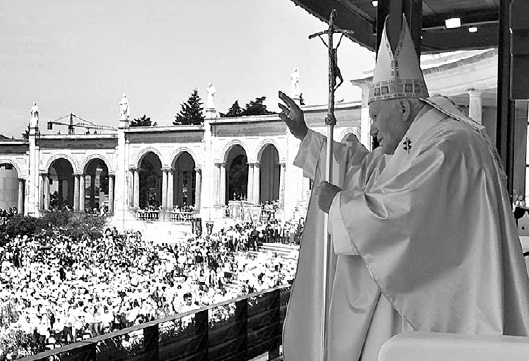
61,188
257,183
153,186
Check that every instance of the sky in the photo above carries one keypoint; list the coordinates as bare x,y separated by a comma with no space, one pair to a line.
74,56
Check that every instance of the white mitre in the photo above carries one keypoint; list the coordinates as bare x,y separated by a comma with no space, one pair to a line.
397,75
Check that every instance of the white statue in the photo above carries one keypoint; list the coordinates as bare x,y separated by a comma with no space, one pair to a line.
210,100
34,120
124,109
295,91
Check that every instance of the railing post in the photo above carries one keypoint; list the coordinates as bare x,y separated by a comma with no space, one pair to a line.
275,305
85,353
241,318
151,344
202,331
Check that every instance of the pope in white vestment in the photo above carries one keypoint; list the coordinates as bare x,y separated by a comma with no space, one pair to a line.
423,239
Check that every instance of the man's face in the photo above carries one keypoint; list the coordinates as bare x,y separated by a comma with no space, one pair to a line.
388,124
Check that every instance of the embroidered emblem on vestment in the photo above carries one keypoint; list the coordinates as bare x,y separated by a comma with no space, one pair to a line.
407,144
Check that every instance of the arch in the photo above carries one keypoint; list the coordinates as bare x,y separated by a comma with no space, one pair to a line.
91,157
237,173
348,131
269,174
72,161
14,164
178,152
183,184
60,191
228,147
11,194
95,192
261,147
151,191
142,154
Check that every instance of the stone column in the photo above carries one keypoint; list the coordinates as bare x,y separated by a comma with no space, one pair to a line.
251,184
136,192
82,192
60,192
20,205
92,190
282,175
110,193
170,189
198,188
131,188
46,192
76,193
41,193
164,188
475,105
365,119
216,184
222,190
179,180
256,182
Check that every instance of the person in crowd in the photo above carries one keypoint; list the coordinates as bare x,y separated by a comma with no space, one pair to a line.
66,290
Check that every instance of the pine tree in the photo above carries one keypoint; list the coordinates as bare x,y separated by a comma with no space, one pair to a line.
235,110
144,121
256,107
191,113
25,135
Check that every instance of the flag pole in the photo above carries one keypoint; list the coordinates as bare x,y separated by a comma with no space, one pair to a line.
330,122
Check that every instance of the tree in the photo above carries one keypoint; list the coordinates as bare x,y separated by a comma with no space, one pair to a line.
144,121
301,100
25,135
256,107
191,113
235,110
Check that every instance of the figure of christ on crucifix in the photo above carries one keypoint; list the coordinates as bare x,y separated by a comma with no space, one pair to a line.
333,50
333,54
334,71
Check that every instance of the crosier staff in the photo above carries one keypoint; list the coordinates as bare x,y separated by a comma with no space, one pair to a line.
330,122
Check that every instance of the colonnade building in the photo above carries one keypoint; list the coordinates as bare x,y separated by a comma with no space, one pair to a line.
245,160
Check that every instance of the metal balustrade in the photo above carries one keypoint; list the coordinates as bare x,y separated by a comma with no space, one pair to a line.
147,215
183,216
174,216
239,329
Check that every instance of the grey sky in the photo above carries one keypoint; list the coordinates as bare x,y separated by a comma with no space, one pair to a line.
78,56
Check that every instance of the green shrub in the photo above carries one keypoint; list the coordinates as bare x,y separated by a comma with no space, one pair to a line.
67,223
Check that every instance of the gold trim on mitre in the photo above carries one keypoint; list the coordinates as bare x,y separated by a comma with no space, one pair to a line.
397,75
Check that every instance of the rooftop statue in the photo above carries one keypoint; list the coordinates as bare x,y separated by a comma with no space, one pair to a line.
124,108
34,120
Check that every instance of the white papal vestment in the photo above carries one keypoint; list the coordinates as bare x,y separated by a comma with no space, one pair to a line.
423,240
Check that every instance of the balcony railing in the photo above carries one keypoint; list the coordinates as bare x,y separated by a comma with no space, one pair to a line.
239,329
183,216
173,216
148,215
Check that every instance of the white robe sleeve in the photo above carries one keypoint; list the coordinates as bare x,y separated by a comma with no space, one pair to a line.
339,235
313,149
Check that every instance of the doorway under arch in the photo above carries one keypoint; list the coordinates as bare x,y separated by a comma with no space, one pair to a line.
269,181
236,175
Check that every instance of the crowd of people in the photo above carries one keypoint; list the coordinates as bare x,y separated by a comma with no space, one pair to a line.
5,214
57,290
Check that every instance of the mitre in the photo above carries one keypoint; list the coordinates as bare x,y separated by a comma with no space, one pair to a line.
397,75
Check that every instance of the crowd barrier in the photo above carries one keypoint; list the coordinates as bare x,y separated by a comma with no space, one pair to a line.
238,330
